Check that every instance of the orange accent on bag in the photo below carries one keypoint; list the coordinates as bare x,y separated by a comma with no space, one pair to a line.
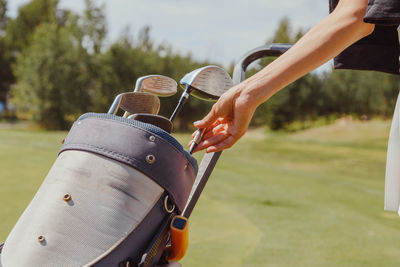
179,238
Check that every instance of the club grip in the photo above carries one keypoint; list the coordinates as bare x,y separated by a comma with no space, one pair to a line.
196,140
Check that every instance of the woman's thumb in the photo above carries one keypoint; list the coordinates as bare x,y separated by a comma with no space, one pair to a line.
207,121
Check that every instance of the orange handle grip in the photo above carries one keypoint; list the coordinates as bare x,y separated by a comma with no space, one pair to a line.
179,238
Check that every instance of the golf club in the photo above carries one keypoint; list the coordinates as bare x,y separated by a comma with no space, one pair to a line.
136,102
157,120
158,85
207,83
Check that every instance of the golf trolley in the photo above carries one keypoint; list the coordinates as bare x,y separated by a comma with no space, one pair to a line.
122,187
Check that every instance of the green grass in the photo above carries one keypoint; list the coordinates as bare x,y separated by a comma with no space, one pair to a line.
313,198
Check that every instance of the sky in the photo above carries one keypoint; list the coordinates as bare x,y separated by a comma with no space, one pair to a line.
219,31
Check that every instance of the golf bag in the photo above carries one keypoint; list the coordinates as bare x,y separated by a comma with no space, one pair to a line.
115,182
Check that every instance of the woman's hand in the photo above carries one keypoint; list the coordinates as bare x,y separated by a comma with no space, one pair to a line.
227,121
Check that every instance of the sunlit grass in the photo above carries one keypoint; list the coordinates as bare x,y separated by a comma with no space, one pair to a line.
312,198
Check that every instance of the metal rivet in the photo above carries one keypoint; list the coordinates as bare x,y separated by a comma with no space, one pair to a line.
152,138
185,167
67,197
41,239
150,159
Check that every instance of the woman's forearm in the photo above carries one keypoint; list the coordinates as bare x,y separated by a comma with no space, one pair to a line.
229,118
327,39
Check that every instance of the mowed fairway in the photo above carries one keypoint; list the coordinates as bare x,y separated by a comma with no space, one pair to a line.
313,198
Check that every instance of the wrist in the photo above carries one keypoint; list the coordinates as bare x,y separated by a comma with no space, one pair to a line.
255,92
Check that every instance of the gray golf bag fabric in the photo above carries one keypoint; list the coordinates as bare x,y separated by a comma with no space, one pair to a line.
113,184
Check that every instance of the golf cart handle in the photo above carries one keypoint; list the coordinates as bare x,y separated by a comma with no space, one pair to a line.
272,50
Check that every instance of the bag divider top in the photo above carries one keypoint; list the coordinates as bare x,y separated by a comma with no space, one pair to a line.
142,146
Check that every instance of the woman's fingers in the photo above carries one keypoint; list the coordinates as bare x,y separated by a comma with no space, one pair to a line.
226,143
212,141
215,124
218,138
213,131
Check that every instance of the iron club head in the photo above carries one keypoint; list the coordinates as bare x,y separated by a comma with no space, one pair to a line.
159,85
136,102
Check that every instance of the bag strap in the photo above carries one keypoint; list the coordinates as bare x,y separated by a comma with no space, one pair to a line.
155,251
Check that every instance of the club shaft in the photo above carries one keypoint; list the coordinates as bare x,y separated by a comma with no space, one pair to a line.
182,101
115,105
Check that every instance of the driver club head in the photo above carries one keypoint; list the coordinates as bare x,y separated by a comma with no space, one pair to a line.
159,85
136,102
208,82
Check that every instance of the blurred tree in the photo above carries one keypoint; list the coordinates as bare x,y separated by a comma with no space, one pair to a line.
51,84
390,91
283,33
3,17
15,35
145,42
298,102
362,93
94,26
6,75
21,29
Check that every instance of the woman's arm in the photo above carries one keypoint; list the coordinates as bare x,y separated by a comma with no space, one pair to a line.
230,116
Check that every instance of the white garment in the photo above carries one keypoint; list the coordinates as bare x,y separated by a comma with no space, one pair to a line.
392,179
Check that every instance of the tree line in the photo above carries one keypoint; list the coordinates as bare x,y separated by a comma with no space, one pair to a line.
55,65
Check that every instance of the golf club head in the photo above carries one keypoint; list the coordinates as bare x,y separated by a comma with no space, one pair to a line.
153,119
159,85
208,82
136,102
